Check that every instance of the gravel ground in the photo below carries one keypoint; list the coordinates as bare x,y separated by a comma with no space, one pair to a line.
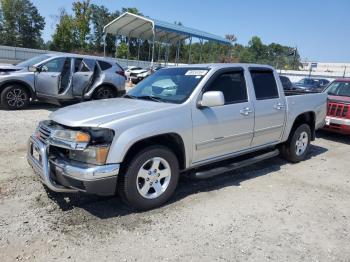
269,211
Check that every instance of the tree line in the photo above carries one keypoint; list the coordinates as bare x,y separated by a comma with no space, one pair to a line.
81,31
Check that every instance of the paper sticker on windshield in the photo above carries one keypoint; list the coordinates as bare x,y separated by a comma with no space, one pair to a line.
196,72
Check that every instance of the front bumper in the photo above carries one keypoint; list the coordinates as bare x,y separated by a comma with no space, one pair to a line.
336,124
61,175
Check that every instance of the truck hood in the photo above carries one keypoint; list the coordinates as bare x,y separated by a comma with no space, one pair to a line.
9,68
96,113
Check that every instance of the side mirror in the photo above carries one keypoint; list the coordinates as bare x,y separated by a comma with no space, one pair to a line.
33,69
212,98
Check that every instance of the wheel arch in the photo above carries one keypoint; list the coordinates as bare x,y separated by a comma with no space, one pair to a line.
93,90
173,141
305,118
5,84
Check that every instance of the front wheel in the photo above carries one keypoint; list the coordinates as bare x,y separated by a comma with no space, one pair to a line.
297,146
150,179
104,92
15,97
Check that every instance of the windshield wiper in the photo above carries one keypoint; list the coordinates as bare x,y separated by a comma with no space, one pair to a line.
129,96
152,98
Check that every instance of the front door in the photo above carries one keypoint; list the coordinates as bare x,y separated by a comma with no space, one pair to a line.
221,130
48,80
269,107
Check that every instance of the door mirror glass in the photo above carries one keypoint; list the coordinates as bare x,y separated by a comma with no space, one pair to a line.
212,98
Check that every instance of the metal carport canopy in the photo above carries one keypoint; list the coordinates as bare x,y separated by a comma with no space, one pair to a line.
137,26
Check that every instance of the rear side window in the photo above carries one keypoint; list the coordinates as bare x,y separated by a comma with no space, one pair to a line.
232,85
264,84
84,65
104,65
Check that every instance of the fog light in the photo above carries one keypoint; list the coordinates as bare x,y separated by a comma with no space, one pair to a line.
96,155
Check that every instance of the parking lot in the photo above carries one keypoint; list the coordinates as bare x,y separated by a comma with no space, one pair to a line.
272,210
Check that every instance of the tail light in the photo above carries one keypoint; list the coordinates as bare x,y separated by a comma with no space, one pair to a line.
121,73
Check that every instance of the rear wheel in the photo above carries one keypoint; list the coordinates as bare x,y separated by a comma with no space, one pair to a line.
150,179
104,92
15,97
297,146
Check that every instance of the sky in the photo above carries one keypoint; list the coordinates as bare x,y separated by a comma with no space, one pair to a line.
319,29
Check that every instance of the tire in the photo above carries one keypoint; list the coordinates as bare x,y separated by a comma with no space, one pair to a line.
297,146
104,92
145,188
15,97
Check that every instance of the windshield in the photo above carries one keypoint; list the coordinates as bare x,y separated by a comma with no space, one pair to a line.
307,81
173,85
33,61
339,89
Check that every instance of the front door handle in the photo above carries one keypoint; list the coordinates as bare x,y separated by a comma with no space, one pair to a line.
246,111
278,106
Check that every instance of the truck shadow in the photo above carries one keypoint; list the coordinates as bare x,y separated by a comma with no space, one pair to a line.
109,207
339,138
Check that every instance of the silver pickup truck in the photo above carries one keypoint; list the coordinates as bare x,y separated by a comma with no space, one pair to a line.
201,119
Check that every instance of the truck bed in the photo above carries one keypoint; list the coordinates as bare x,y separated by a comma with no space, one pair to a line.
298,102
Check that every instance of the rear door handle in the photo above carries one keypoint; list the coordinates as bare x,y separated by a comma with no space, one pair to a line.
278,106
246,111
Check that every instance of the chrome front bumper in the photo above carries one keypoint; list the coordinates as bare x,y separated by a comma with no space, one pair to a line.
84,173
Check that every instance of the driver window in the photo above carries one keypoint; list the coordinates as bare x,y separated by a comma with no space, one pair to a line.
232,85
54,65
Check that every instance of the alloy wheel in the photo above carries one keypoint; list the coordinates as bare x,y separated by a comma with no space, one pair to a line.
153,178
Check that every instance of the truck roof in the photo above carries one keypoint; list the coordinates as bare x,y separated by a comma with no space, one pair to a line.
224,65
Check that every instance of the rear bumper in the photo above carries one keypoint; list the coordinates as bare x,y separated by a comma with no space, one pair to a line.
67,176
339,125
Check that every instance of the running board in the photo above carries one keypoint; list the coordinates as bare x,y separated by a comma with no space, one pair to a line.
223,169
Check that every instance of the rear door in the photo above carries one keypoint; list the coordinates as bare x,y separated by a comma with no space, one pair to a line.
83,75
269,107
221,130
48,80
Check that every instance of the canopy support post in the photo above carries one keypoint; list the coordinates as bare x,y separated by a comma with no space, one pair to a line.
149,50
177,58
167,52
159,46
128,53
138,50
116,44
209,52
104,44
200,53
189,52
154,38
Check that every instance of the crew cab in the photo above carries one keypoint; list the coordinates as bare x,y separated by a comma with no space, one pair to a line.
59,78
338,113
202,120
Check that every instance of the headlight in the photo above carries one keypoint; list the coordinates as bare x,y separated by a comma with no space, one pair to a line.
71,136
96,155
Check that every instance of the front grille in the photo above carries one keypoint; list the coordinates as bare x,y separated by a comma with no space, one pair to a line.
337,110
43,132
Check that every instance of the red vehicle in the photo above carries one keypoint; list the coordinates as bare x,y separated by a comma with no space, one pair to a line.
338,113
